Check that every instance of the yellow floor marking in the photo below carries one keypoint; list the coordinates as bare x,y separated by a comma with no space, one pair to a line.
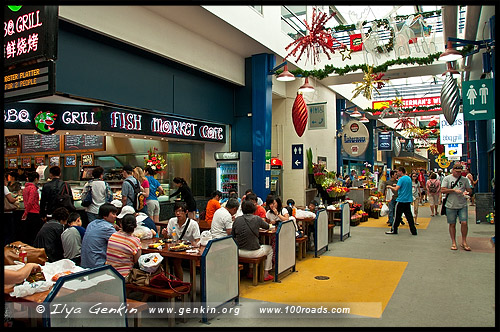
367,284
382,222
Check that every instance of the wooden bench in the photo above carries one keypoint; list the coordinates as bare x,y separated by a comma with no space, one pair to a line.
301,252
165,293
139,306
240,267
258,267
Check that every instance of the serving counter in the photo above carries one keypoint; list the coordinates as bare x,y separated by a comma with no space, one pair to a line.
360,195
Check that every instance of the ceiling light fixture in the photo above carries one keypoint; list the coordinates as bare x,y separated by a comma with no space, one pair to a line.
450,54
285,76
455,73
364,119
306,87
355,114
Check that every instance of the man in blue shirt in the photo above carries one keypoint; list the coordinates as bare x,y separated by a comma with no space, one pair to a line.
403,202
95,241
127,189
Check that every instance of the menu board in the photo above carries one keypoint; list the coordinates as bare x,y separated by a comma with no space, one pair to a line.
40,143
83,142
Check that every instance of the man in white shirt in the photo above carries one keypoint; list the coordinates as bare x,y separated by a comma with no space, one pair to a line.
222,222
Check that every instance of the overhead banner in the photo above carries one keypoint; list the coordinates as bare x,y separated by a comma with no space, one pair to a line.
451,134
355,138
384,141
408,103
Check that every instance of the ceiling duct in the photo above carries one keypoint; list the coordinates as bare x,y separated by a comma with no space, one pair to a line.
450,14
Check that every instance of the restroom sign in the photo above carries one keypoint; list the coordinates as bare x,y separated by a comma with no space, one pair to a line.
478,99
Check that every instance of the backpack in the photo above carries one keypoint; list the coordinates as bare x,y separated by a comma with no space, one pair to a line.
64,199
433,187
87,199
138,199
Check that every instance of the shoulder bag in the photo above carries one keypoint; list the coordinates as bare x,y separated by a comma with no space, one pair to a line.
139,277
185,229
35,255
443,207
87,198
169,281
8,206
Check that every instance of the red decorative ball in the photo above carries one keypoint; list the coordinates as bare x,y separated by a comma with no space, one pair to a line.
299,115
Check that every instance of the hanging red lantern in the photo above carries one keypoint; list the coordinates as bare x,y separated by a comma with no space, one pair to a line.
439,146
299,114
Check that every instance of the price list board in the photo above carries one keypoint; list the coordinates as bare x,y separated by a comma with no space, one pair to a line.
84,143
33,144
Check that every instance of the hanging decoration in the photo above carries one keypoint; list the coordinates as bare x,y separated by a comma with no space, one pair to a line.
299,114
397,146
348,56
450,99
404,122
316,39
368,84
376,24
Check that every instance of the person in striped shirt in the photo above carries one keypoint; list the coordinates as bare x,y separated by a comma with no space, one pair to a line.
124,249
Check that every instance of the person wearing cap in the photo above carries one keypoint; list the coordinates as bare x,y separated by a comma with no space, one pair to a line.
97,234
141,217
127,189
456,187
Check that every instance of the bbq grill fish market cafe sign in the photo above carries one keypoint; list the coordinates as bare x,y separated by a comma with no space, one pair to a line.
49,118
355,138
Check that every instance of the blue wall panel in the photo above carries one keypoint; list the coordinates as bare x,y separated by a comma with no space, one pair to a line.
95,66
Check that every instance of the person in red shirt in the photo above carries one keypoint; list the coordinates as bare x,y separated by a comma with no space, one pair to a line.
31,215
261,212
212,206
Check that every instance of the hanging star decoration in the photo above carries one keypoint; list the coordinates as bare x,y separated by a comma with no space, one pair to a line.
368,84
348,56
404,122
316,39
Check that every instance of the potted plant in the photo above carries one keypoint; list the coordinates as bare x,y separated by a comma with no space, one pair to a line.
310,171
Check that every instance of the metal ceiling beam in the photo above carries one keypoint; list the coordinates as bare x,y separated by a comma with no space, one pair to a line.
471,25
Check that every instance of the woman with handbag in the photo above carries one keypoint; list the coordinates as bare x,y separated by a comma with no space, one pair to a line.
8,214
124,249
31,200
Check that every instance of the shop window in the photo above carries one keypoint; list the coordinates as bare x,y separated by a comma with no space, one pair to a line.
292,21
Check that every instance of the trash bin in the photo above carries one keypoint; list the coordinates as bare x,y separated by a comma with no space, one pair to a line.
484,206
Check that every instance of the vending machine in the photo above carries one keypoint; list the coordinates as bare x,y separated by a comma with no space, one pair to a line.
234,171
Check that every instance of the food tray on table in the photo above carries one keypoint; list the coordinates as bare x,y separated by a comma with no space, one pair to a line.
181,247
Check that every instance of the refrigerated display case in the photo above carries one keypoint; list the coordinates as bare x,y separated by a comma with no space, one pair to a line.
234,171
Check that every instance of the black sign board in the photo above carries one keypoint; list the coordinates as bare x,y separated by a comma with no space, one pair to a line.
484,206
384,141
30,33
29,82
83,142
40,143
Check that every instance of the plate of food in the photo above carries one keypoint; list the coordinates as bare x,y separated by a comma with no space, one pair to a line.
157,244
38,276
180,247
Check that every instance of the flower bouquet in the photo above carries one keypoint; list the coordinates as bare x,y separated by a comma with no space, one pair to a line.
155,160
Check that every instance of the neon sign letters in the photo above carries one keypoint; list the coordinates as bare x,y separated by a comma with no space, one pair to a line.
14,115
80,118
127,121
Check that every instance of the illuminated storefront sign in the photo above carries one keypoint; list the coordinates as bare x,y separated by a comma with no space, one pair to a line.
30,32
52,117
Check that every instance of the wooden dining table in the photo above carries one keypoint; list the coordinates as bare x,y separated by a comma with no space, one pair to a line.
193,258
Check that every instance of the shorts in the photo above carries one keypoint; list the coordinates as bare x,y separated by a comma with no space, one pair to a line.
433,199
452,214
153,207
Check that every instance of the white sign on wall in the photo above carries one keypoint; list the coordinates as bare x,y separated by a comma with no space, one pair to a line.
452,134
355,138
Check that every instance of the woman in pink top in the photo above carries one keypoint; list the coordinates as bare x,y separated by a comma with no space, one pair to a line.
31,201
433,187
143,181
124,249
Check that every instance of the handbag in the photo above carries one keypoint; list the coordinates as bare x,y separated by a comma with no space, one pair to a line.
35,255
64,199
443,207
141,278
170,281
8,206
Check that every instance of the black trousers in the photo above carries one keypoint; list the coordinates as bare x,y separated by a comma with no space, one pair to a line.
399,209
